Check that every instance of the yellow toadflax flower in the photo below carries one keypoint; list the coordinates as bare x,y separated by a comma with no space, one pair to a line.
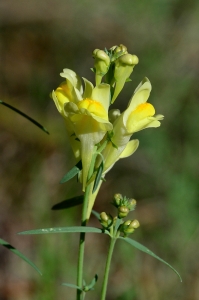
86,115
138,115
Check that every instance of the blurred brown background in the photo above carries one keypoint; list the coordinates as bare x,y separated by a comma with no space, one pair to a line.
37,40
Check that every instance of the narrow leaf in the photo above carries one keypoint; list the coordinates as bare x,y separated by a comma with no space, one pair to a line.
18,253
24,115
98,176
146,250
96,214
73,286
92,284
68,203
72,173
63,230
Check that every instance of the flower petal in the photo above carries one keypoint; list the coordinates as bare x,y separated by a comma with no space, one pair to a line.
141,94
88,88
131,147
101,93
74,79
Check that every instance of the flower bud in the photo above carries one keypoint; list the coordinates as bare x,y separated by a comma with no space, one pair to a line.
129,226
106,220
131,204
117,199
121,48
122,212
123,68
104,216
102,62
117,51
135,224
113,115
127,59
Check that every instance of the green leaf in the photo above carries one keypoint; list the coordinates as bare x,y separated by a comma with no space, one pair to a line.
73,286
18,253
106,51
146,250
92,284
24,115
93,70
96,214
63,230
72,173
98,176
69,203
128,80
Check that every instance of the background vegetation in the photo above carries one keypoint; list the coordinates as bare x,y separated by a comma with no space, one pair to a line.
37,40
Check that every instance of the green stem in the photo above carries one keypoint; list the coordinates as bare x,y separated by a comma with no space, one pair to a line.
107,268
82,243
80,294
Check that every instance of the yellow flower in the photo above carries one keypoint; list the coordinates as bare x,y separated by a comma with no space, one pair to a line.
86,115
138,115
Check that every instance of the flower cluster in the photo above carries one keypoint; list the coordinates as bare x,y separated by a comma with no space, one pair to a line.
89,122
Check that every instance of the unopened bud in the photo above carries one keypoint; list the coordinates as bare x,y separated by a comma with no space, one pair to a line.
122,212
128,59
123,68
102,62
129,226
117,199
104,216
135,224
131,204
113,115
106,220
120,48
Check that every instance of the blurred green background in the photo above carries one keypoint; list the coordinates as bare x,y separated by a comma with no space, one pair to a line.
37,40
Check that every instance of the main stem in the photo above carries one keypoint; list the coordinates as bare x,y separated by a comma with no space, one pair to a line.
84,220
82,243
107,268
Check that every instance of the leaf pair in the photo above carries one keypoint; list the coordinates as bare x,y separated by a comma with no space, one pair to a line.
86,229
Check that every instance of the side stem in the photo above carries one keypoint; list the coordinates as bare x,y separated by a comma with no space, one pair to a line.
107,268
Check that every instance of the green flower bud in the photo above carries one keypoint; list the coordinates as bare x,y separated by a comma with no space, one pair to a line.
122,212
106,220
121,48
117,199
102,62
127,223
134,224
129,226
127,59
113,114
117,51
123,68
104,216
131,204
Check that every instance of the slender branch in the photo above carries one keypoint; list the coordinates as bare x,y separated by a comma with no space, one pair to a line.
107,268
